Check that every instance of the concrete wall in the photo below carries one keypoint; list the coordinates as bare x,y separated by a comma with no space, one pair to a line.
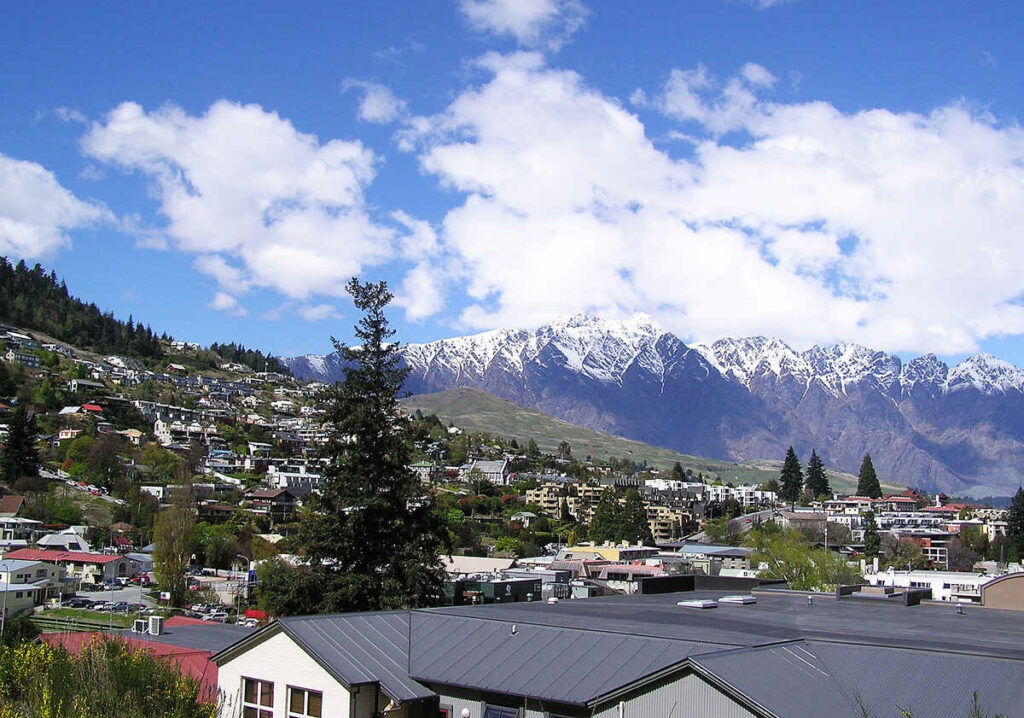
280,660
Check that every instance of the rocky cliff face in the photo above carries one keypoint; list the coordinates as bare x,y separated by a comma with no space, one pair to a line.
926,424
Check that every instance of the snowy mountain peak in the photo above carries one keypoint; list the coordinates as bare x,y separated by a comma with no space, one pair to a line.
987,374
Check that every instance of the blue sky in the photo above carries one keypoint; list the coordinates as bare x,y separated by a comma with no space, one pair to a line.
812,170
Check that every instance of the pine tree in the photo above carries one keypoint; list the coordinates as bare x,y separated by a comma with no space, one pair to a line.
20,458
635,528
372,538
817,481
1015,522
532,450
564,516
791,479
872,542
868,485
605,525
677,472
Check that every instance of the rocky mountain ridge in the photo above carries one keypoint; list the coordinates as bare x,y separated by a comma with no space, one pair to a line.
958,428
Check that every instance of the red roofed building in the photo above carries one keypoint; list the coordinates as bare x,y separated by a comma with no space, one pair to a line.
87,567
92,407
190,660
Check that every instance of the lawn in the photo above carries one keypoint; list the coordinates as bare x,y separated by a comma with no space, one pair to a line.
115,619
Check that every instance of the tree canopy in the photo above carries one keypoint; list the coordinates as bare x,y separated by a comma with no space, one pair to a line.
791,479
867,484
817,481
373,538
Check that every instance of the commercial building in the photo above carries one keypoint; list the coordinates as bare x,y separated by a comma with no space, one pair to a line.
698,654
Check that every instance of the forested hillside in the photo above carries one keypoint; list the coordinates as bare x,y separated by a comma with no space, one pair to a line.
31,298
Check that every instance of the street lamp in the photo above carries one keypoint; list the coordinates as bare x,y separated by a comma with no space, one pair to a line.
7,588
248,563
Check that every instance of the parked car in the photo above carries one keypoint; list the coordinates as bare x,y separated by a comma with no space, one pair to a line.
218,616
102,606
78,603
121,607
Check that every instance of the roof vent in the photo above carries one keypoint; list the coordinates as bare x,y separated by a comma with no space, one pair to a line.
698,603
738,599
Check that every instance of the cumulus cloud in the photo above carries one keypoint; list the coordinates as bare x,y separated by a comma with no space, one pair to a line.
379,104
262,204
224,302
36,212
899,230
533,23
317,312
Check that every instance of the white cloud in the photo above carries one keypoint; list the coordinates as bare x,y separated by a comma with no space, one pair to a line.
224,302
379,104
898,230
765,4
70,114
533,23
317,312
263,204
36,212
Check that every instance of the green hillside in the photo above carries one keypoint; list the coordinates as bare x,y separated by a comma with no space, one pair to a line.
476,410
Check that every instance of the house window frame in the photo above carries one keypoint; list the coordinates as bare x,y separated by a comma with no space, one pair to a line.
305,703
485,705
262,710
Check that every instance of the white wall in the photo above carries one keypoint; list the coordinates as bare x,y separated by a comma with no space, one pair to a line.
280,660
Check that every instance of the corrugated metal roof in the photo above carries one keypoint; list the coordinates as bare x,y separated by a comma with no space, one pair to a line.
786,679
361,648
558,664
926,683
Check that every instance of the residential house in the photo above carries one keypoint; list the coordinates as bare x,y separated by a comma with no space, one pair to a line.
86,567
494,471
25,359
47,580
278,504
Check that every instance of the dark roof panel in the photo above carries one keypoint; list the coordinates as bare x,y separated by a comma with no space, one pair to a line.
559,664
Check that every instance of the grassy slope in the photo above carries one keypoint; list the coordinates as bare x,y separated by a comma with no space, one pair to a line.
477,410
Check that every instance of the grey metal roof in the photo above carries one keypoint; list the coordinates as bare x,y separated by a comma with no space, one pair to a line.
927,683
211,637
550,663
786,679
361,648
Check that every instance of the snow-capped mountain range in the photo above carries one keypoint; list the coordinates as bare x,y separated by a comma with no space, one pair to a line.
957,428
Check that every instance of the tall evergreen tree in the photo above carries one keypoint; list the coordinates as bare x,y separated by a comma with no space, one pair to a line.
373,538
817,481
1015,522
791,479
635,528
677,472
868,485
606,523
872,542
20,458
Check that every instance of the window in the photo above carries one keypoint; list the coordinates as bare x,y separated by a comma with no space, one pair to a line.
500,712
303,703
257,698
446,712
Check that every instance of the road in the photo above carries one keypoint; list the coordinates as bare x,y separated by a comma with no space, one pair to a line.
53,476
741,524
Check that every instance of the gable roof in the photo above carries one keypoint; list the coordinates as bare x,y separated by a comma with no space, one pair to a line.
10,505
37,554
558,664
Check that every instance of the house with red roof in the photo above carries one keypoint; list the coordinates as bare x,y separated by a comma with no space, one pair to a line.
87,567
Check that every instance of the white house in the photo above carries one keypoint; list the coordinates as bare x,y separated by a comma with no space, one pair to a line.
957,586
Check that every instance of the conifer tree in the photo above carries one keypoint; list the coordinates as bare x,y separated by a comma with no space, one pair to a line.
20,458
872,542
373,538
605,524
868,485
791,479
635,528
677,472
817,481
1015,522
